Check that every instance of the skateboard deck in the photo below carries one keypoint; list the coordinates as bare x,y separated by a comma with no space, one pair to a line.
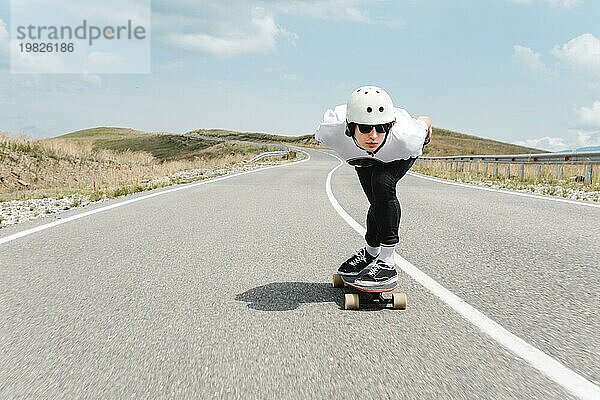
377,295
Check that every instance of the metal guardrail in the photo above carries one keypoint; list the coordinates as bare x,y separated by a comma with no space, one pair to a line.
471,164
573,157
269,154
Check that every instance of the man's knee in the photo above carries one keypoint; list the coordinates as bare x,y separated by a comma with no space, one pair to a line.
384,192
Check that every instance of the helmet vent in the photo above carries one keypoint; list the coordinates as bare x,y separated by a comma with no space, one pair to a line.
366,92
369,109
377,91
381,109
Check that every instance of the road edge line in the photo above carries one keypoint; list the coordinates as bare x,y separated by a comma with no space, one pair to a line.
49,225
505,191
551,368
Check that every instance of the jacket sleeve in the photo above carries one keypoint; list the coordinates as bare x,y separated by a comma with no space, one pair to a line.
409,133
332,125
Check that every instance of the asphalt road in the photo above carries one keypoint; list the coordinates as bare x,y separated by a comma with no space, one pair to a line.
222,290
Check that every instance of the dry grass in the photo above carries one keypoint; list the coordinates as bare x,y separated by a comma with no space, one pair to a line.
64,149
450,143
508,174
305,140
60,167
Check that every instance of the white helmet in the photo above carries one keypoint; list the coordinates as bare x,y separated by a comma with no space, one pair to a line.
370,105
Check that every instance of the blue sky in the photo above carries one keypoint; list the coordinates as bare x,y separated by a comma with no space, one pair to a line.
519,71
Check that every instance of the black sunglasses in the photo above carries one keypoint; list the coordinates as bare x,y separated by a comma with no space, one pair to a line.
381,128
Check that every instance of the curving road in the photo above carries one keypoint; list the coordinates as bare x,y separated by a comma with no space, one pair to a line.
222,290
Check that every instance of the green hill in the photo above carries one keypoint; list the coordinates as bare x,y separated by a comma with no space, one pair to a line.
444,142
449,143
109,160
101,132
202,141
164,147
305,140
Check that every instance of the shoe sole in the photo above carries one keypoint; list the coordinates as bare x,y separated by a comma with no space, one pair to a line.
374,289
371,285
349,273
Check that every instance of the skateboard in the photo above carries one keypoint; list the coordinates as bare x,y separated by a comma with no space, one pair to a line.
378,295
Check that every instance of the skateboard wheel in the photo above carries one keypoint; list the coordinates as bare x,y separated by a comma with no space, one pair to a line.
399,301
351,301
337,281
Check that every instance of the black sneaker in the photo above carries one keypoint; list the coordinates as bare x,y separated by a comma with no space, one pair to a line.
359,261
379,274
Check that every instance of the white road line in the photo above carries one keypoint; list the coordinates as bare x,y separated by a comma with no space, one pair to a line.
98,210
556,371
511,192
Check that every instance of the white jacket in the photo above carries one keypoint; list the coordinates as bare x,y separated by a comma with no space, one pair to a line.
404,141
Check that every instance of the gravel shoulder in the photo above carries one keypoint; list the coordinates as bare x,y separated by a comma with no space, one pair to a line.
541,189
18,211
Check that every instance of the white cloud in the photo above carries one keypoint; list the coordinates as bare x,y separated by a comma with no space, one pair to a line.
563,3
574,139
581,54
23,87
107,59
530,60
238,27
92,79
292,36
590,117
588,138
552,3
34,63
257,36
545,143
324,9
172,66
109,11
4,41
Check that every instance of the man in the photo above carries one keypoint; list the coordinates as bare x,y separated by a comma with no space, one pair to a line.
382,143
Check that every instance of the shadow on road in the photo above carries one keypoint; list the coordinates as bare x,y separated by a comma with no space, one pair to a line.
283,296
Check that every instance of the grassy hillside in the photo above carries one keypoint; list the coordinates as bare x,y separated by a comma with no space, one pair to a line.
163,147
108,158
305,140
110,161
102,132
449,143
444,142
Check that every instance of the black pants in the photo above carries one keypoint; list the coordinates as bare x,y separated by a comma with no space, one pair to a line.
379,184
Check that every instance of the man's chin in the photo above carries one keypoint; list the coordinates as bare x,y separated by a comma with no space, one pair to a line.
371,148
